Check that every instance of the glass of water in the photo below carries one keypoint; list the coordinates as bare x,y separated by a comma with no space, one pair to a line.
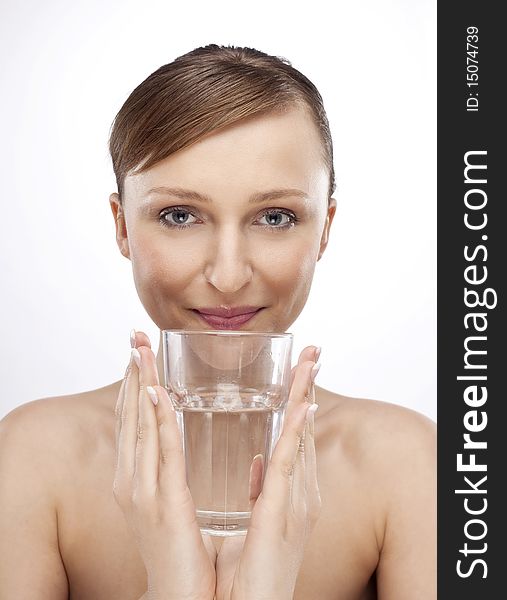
229,390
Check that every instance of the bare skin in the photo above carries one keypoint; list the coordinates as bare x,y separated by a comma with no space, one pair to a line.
375,537
63,534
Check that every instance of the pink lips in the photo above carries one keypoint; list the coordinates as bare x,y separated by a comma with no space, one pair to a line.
218,321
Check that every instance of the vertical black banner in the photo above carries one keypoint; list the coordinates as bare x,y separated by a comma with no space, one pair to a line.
472,256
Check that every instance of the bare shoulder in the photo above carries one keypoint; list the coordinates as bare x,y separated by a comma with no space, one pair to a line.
392,448
55,411
54,426
374,430
40,442
390,451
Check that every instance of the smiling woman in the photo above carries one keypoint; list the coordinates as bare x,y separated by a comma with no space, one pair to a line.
232,245
224,204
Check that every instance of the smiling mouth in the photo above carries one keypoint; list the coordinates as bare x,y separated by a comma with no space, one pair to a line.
218,322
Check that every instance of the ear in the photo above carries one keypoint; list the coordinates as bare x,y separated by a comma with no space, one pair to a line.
120,224
331,209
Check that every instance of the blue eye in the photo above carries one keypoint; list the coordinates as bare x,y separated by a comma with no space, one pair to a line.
176,217
280,213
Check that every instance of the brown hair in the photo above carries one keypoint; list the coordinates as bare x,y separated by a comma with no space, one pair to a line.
204,90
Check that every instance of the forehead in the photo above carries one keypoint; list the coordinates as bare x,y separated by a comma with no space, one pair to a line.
282,150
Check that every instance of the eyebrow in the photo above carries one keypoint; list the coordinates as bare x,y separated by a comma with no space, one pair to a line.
255,198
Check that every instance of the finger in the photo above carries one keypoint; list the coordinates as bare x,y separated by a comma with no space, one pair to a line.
300,387
172,479
172,484
297,489
279,474
301,391
117,412
298,492
313,499
276,491
292,375
118,409
148,374
255,480
139,338
308,353
129,420
121,393
299,394
147,449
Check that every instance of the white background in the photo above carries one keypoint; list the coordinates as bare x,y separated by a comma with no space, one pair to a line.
68,299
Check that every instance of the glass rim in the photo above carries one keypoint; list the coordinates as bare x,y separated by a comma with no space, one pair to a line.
227,332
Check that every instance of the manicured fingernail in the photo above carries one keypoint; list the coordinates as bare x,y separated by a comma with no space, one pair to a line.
311,411
152,394
137,357
133,338
314,372
317,353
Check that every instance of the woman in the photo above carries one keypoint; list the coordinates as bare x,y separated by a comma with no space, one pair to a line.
224,165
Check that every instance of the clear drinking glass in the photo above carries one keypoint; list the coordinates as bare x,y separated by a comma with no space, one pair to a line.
229,390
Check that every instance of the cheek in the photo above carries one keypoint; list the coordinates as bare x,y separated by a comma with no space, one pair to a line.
161,268
290,270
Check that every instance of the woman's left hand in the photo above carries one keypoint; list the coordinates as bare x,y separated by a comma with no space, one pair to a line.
265,564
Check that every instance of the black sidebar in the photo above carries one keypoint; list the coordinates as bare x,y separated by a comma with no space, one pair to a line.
472,272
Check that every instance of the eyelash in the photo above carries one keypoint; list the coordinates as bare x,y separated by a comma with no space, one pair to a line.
168,211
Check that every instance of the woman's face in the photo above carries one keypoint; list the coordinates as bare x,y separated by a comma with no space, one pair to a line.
238,218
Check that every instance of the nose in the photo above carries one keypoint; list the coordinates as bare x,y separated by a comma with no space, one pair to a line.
228,265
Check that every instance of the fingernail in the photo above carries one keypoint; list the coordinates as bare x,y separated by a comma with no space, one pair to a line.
137,357
133,338
312,409
317,353
314,372
152,394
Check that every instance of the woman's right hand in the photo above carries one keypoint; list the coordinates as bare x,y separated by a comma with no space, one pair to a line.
151,489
